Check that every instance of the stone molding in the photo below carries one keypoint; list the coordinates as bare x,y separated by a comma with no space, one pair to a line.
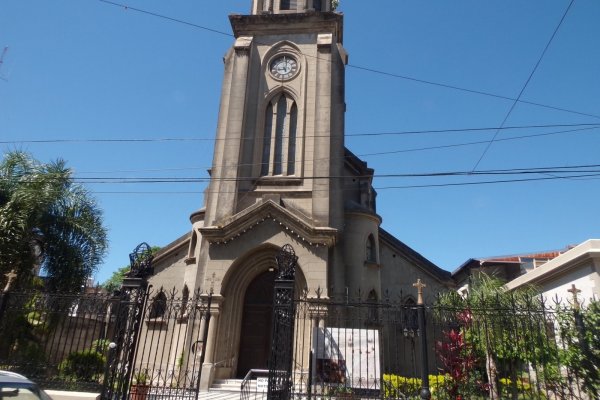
242,222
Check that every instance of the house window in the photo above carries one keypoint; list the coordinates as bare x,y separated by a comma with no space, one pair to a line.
279,139
371,255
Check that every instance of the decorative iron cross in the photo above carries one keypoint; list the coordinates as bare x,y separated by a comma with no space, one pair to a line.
419,285
575,291
11,276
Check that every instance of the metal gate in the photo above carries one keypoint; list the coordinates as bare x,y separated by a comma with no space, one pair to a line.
280,361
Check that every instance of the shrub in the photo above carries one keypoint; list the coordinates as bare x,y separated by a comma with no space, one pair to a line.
85,365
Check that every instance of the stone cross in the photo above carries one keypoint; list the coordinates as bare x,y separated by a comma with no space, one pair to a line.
575,291
419,285
11,276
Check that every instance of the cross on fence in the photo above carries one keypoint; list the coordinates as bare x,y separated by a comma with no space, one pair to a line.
574,291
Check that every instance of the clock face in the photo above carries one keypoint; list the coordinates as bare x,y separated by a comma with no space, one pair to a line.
284,67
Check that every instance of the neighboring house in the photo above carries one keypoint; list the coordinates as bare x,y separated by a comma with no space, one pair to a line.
579,266
552,272
505,268
281,174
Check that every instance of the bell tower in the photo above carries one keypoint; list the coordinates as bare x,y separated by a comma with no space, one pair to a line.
281,119
289,6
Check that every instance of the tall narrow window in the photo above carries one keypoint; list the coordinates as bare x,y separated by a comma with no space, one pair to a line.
317,5
371,254
280,135
279,130
292,140
267,140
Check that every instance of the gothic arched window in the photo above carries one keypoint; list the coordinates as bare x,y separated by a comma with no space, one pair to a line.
279,140
371,250
159,306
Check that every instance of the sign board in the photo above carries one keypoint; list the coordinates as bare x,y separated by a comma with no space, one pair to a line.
347,356
262,384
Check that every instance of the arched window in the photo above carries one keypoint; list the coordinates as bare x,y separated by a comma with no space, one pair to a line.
279,139
371,250
158,307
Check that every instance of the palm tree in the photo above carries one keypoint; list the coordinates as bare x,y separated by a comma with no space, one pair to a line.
48,223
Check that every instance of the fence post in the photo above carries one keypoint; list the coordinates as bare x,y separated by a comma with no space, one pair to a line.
425,393
10,277
580,328
204,340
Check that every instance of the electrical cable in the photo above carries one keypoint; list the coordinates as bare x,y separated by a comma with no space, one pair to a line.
537,64
357,67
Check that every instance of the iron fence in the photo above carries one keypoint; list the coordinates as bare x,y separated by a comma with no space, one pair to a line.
494,348
517,348
72,341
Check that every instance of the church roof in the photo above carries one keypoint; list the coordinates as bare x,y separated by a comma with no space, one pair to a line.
419,260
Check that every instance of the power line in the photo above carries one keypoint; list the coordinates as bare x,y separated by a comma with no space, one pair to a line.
357,67
382,153
586,168
364,134
537,64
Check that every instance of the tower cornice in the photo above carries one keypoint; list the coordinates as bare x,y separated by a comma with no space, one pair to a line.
274,24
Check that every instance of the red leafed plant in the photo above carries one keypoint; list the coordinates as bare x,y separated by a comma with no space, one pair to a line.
456,356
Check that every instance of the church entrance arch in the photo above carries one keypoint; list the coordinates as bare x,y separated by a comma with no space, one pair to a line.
255,339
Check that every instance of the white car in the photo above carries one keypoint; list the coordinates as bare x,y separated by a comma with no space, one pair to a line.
15,386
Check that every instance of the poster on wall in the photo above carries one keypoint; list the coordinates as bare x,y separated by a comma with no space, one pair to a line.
348,357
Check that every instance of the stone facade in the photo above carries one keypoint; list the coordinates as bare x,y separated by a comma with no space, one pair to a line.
282,175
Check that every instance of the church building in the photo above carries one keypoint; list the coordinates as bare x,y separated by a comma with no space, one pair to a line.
281,174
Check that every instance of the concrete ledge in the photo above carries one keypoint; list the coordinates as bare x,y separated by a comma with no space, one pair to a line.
64,395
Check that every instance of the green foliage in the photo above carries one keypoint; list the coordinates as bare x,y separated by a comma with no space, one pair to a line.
116,279
85,365
581,345
402,387
335,4
47,222
141,378
525,390
505,330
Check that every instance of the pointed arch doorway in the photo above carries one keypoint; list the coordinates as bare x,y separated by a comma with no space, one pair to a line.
255,340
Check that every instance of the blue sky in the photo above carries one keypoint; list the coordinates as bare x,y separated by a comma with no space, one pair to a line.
85,70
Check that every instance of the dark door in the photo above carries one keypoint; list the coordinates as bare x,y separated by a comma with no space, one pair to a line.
255,336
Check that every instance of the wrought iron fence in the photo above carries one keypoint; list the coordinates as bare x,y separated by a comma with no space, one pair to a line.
514,348
70,341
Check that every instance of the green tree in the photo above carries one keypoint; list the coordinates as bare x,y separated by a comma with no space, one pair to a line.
116,279
506,330
580,351
48,223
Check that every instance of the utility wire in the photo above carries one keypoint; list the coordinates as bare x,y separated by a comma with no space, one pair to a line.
579,169
382,153
364,134
537,64
357,67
